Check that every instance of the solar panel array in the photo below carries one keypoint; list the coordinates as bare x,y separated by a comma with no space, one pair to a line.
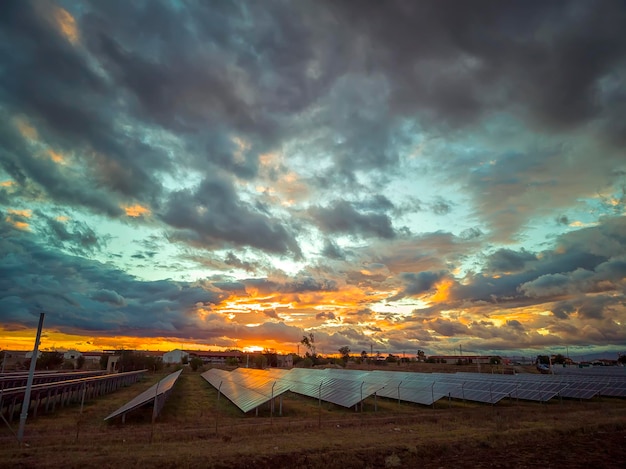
159,391
248,388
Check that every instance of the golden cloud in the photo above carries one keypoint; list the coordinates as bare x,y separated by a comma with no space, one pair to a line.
66,25
136,210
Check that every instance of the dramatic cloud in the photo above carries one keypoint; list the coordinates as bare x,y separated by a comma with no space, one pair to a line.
401,175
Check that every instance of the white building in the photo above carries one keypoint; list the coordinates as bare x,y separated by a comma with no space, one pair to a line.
175,356
71,355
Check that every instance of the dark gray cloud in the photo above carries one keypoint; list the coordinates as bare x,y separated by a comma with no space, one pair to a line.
332,251
213,216
507,260
77,237
342,217
421,282
82,295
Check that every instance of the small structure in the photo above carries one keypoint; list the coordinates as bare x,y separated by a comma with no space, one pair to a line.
72,355
463,359
216,358
175,356
285,361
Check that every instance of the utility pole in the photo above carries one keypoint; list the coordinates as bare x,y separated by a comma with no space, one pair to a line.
29,382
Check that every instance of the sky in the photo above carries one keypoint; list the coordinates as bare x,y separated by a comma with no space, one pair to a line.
390,176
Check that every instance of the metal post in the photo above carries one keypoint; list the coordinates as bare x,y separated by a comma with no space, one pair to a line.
399,384
362,395
319,405
154,410
432,393
272,405
217,410
29,382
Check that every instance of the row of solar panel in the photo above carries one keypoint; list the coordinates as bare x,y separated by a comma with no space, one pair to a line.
158,391
250,388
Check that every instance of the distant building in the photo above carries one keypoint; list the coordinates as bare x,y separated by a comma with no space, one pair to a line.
216,358
13,360
175,356
285,361
92,359
72,355
464,359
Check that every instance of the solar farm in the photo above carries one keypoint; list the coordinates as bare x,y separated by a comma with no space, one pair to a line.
328,417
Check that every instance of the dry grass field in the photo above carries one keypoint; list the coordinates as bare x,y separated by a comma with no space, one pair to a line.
195,430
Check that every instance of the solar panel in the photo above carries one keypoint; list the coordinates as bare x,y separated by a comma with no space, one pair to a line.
246,388
349,387
158,391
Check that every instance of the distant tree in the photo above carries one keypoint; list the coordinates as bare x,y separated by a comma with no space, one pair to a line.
421,356
296,358
260,361
80,362
195,363
495,360
543,360
68,365
622,359
271,357
184,360
133,361
345,353
305,363
50,361
363,355
391,358
104,361
309,343
558,359
232,361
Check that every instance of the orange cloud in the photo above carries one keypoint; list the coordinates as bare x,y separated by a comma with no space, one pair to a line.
136,210
66,25
56,157
14,218
443,291
25,128
8,183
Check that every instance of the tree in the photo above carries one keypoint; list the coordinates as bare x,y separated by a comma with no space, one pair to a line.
260,361
495,360
132,361
271,356
104,361
543,360
309,343
345,352
391,358
421,356
622,359
50,361
80,362
195,363
558,359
